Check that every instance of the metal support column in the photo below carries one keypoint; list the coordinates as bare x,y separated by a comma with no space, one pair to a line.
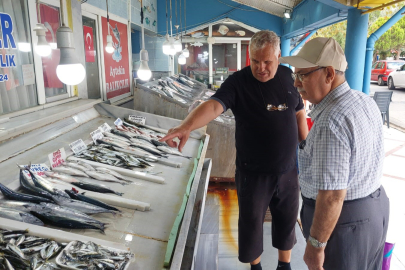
356,39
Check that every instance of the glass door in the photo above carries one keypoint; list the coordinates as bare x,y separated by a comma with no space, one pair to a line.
91,55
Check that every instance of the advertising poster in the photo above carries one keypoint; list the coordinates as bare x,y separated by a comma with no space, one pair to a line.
50,19
117,63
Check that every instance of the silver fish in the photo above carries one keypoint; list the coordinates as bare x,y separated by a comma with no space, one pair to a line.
76,166
69,171
16,250
20,216
19,206
88,166
8,264
63,177
114,173
20,240
80,206
36,248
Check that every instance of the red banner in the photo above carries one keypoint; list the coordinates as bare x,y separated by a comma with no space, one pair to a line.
89,44
116,64
50,19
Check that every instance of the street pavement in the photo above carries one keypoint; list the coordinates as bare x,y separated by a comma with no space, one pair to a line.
397,106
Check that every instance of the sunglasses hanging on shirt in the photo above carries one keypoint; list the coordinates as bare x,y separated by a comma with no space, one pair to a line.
281,107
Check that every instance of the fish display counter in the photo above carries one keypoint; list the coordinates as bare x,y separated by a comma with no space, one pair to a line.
161,97
105,178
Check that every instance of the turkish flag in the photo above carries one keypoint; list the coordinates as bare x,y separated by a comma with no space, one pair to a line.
89,44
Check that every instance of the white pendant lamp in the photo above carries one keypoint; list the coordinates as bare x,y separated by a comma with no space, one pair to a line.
177,45
186,52
143,72
181,59
69,71
42,48
109,48
166,45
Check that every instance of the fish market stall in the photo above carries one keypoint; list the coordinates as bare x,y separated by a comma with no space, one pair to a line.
156,197
160,97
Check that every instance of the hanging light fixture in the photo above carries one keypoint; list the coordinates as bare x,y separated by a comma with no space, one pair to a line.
166,43
181,59
69,70
186,52
177,42
109,47
287,13
144,72
42,48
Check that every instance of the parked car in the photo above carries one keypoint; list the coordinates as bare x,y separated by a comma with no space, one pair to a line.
397,78
381,69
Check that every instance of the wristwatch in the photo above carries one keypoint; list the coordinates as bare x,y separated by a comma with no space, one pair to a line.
316,243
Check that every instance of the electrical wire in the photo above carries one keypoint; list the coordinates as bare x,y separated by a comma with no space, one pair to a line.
39,11
185,18
167,27
108,18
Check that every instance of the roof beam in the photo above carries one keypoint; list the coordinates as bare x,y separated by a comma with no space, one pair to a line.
382,6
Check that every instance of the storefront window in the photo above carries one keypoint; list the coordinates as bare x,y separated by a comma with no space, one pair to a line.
54,88
17,77
197,63
224,61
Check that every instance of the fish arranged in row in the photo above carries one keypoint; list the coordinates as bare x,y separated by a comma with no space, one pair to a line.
92,256
18,250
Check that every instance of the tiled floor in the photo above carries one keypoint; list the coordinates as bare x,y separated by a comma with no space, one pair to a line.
393,181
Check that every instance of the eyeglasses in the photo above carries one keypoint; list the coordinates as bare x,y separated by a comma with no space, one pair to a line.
281,107
301,77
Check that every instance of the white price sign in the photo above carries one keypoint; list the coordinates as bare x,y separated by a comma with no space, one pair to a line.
97,134
137,119
118,122
78,146
105,127
37,169
57,158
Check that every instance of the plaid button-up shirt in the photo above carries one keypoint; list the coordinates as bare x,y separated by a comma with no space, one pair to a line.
344,149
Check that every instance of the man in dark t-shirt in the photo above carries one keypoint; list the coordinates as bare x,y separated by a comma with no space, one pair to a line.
270,121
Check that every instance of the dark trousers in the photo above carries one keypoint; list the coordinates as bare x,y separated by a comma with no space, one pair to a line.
255,194
357,242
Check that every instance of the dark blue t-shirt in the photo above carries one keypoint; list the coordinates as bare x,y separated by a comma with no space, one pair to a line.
265,140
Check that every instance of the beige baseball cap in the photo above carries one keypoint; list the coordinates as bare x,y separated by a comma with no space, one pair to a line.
319,51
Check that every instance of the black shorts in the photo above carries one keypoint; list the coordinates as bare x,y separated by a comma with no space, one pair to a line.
255,194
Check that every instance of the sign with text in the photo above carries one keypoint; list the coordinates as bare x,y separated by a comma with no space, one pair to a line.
97,134
117,78
57,158
28,74
37,169
118,122
137,119
105,127
78,146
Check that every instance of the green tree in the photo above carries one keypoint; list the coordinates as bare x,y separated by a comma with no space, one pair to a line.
336,31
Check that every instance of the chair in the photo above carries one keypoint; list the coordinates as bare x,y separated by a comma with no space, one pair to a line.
383,100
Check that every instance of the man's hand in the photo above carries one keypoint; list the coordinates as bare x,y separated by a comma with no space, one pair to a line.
180,132
314,257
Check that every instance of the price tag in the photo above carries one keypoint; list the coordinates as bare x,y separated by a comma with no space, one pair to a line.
38,169
118,122
97,134
105,127
57,158
137,119
78,146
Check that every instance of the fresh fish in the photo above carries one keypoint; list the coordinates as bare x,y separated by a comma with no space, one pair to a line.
20,216
20,240
12,195
96,188
8,264
16,250
51,250
153,151
158,143
63,177
88,166
42,253
34,262
81,206
121,134
19,206
104,176
86,199
35,248
171,151
69,171
111,172
64,222
72,213
31,188
76,166
122,139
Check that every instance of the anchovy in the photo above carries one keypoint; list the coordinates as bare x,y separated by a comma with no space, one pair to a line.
20,240
35,248
69,171
64,222
171,151
12,195
86,199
